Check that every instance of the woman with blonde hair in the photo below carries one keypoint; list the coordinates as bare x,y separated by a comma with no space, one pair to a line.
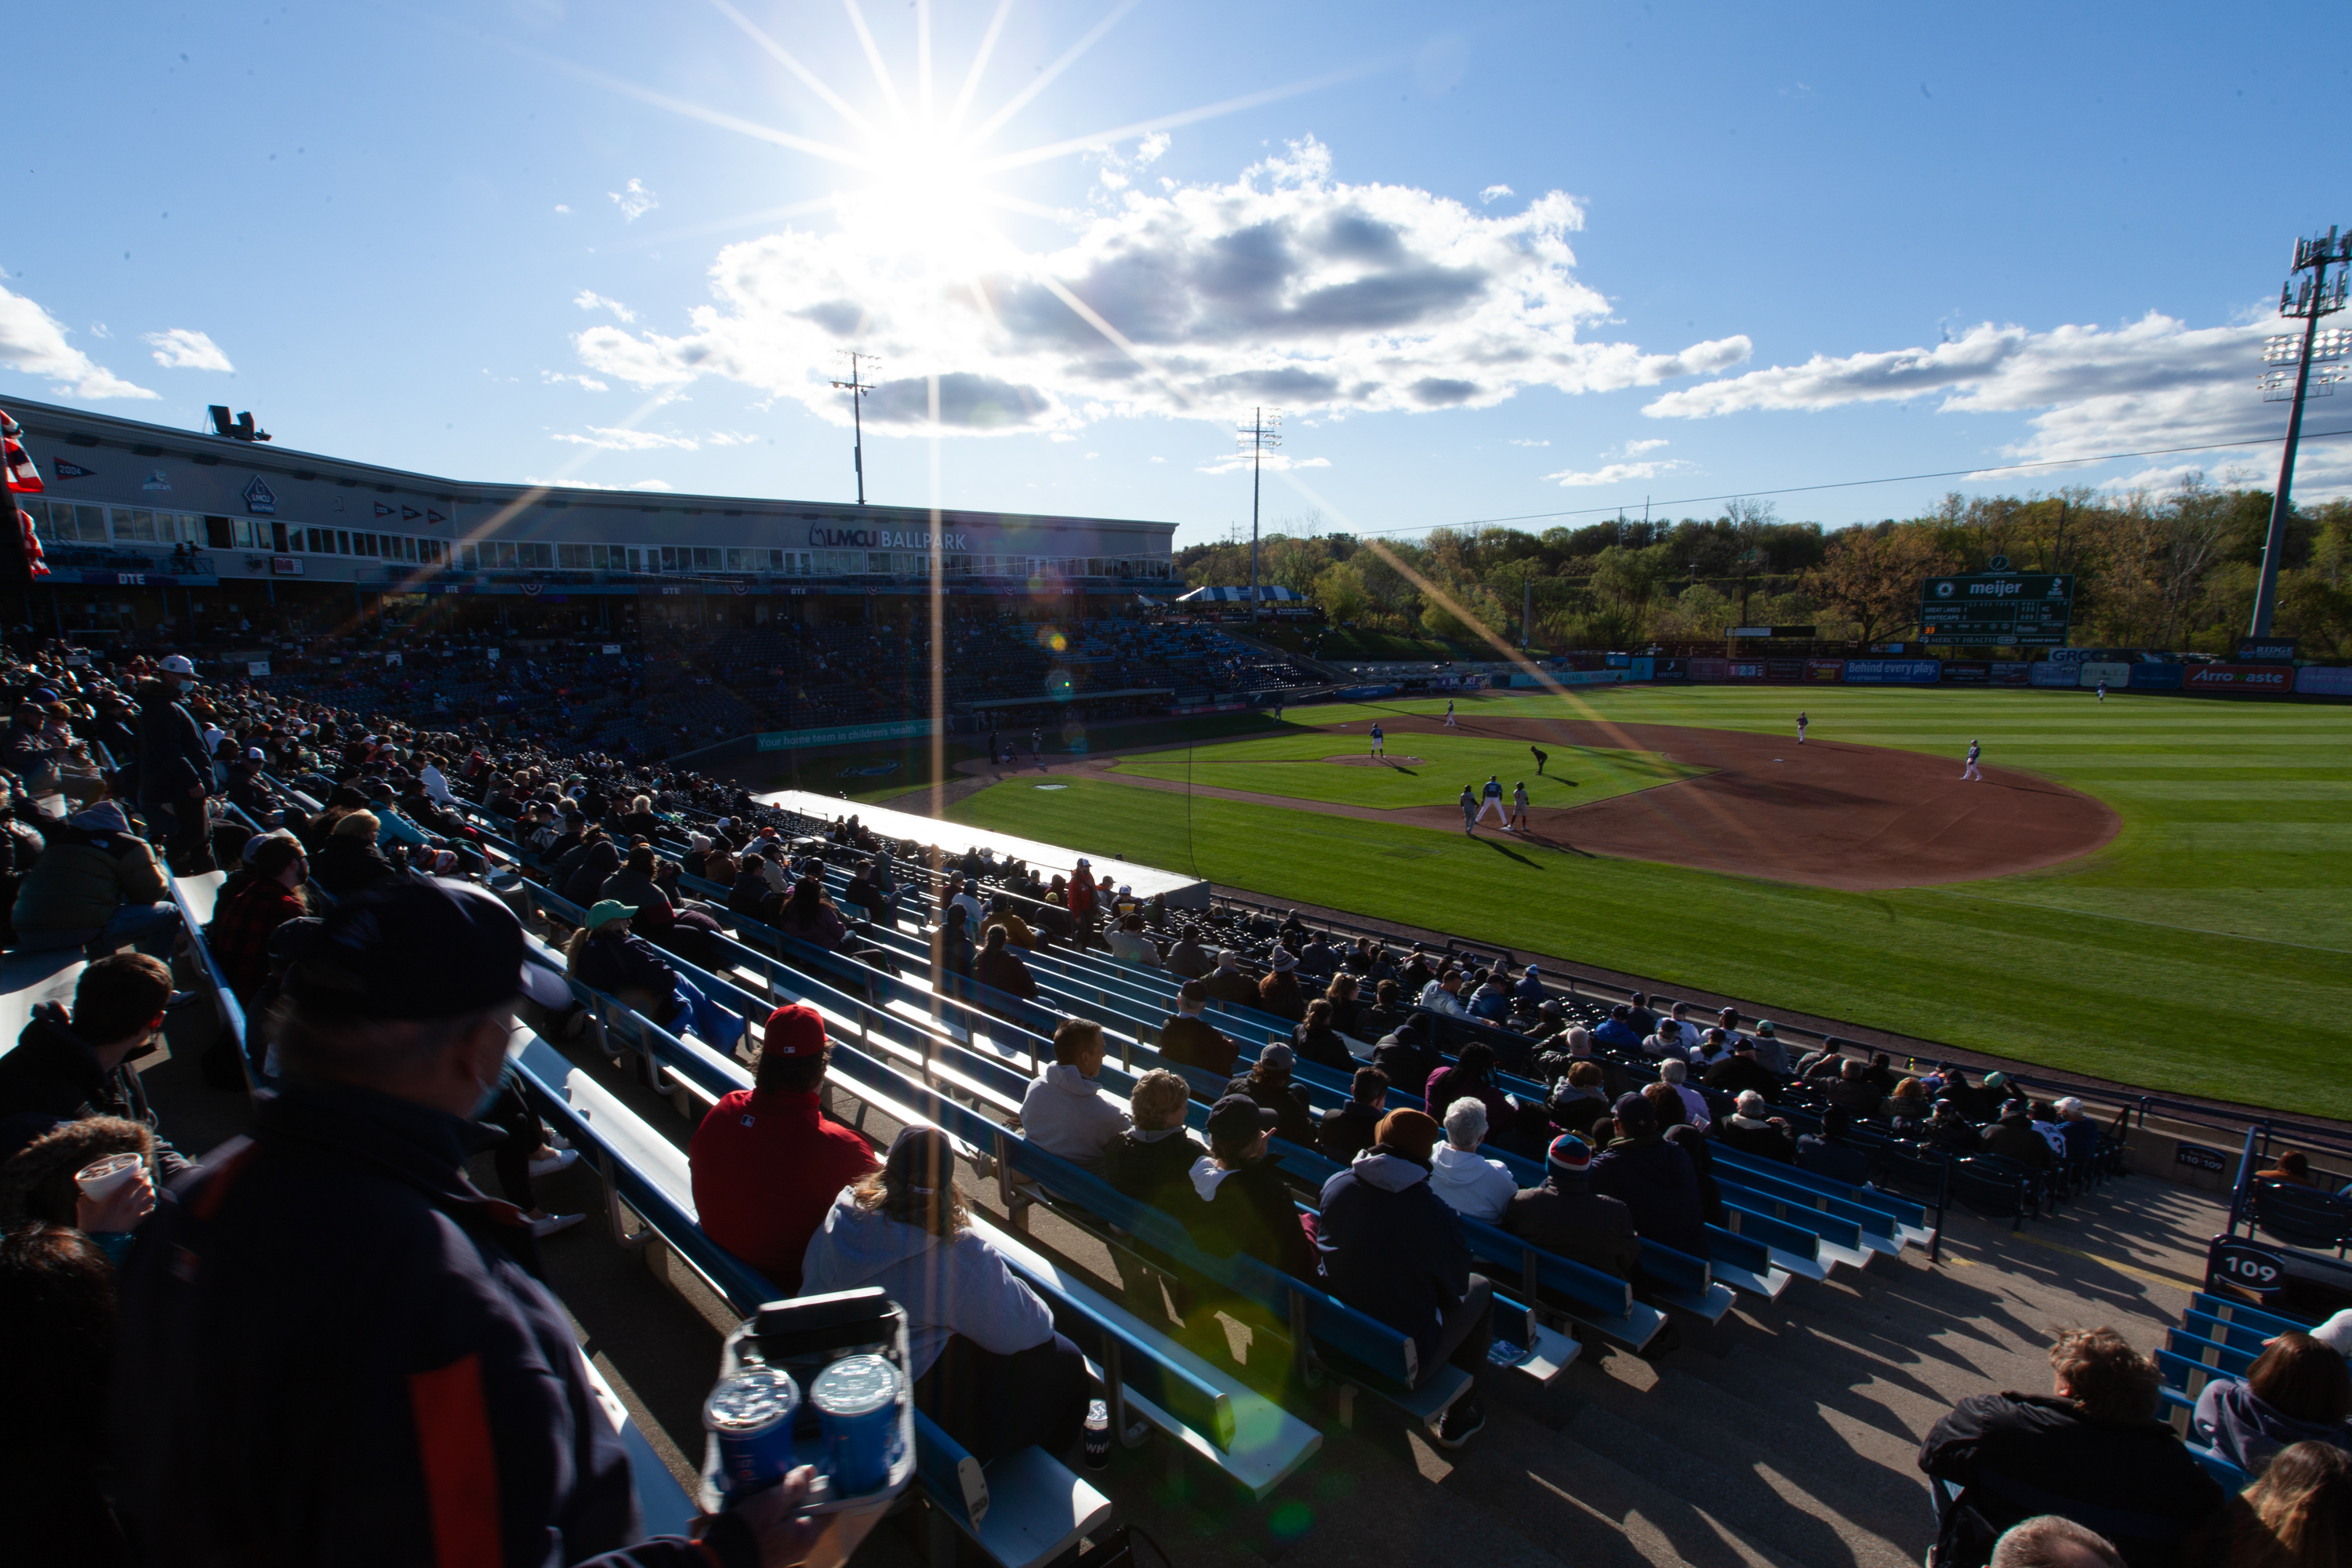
350,860
2298,1514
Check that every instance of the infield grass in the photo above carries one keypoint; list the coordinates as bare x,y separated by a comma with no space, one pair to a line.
2208,949
1420,769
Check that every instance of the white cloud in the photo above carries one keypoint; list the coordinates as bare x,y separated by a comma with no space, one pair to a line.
1115,173
1493,193
1635,448
611,439
562,208
180,349
633,200
1274,463
1517,442
571,484
1283,286
98,330
556,377
31,340
2151,384
730,439
1617,473
589,300
1159,459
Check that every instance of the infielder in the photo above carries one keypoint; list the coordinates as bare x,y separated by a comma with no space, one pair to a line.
1972,771
1518,823
1449,715
1541,758
1801,727
1492,800
1469,811
1380,742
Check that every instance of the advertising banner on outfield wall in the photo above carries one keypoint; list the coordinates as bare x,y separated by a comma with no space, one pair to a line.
2156,677
1824,670
1710,670
1743,670
2096,672
1521,678
2013,672
1893,671
1967,672
1784,669
1670,669
2314,682
2240,678
2053,672
842,735
1642,669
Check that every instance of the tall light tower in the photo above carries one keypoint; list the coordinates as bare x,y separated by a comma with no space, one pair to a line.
2317,296
1260,436
857,386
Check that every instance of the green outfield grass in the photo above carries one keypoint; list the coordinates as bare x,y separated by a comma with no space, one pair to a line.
2208,949
1293,763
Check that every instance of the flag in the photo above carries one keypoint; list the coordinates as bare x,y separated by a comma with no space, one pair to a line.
22,476
33,562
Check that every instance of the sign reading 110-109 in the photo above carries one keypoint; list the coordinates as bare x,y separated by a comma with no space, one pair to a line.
2003,609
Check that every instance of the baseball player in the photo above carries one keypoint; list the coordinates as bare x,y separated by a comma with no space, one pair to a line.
1469,811
1380,742
1542,757
1518,823
1801,721
2102,689
1492,800
1972,771
1449,715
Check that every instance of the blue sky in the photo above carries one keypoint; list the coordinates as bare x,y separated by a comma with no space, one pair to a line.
1492,260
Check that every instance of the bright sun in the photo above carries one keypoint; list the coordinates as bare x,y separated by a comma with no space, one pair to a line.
924,196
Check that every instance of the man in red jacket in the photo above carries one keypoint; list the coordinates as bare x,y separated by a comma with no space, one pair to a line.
766,1163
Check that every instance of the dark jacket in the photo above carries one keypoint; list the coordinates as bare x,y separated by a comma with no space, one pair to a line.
598,860
1286,1099
1348,1129
1322,1046
1155,1170
1696,1144
2241,1429
89,870
53,1075
1197,1043
1741,1072
1247,1212
614,962
2014,1455
638,890
2013,1137
1581,1226
172,756
1446,1085
1391,1246
1408,1055
1279,994
252,1427
1653,1179
349,863
1232,987
1764,1140
1002,968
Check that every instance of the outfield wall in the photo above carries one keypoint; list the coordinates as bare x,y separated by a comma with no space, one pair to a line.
2116,675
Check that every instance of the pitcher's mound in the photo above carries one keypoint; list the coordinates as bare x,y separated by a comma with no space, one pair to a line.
1358,760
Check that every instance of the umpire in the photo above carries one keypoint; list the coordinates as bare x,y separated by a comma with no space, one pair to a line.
335,1350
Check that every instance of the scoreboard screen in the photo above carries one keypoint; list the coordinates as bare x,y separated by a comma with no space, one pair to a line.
2004,609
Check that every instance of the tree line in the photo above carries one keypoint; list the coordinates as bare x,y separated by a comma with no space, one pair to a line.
2174,569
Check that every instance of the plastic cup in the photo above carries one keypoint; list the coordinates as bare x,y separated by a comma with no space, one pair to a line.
101,1179
857,1401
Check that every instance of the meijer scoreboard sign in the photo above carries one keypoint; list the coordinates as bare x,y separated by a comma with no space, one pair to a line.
2005,609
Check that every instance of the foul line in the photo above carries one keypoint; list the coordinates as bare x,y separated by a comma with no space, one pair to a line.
2152,1276
2137,920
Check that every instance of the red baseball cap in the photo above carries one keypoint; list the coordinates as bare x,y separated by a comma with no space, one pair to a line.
793,1031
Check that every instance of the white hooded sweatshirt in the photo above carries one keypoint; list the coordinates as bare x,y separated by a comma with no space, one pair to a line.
1470,1183
1067,1114
959,1286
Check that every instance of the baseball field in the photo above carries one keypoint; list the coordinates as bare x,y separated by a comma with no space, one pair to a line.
2155,890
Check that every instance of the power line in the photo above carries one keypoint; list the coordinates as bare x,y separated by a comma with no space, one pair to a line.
1851,484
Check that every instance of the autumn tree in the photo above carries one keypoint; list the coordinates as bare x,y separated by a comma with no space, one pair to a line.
1871,575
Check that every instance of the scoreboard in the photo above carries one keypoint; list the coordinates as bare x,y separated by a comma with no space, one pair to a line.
2005,609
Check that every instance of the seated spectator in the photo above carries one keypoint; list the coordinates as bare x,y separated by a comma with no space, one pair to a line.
1616,1031
1530,990
1908,1107
1853,1090
1192,1041
57,1311
2092,1450
1751,1132
1672,1114
1017,930
2297,1514
1473,1073
1317,1041
1470,1184
1268,1083
1696,1111
750,896
1348,1129
1387,1013
66,1067
605,955
1346,1009
638,822
1243,1207
1151,1161
1443,995
1392,1249
1492,1001
952,951
1228,985
96,884
1409,1054
809,916
766,1162
1651,1177
1952,1132
269,896
2082,1135
2293,1167
1579,1100
1279,991
1742,1070
2013,1137
1714,1049
1066,1110
1975,1102
599,858
865,892
1828,1154
2297,1391
988,1366
1565,1217
1770,1052
2047,1541
999,966
1129,944
638,885
1315,960
1188,958
350,862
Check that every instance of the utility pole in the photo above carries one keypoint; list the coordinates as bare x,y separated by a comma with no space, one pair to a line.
857,386
1260,434
2314,299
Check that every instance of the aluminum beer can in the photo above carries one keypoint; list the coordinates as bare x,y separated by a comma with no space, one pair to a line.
752,1415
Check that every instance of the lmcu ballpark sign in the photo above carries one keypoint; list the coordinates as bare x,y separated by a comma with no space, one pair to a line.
2005,609
821,538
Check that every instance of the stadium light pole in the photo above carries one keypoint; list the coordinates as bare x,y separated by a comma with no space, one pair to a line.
1261,434
2316,298
857,387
